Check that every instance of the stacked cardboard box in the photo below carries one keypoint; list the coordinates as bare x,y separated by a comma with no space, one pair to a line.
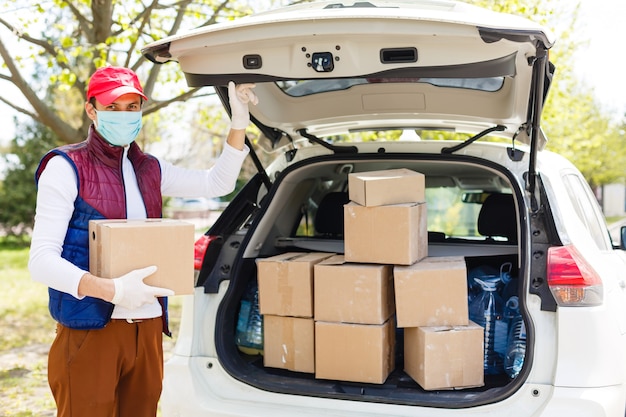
286,303
354,325
385,221
442,348
384,280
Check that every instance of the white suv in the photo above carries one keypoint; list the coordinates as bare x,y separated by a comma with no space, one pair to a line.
347,88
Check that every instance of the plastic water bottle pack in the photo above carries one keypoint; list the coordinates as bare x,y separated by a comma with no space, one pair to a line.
516,344
494,305
249,332
486,310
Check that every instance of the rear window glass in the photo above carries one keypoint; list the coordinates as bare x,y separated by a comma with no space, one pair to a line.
452,212
301,88
587,209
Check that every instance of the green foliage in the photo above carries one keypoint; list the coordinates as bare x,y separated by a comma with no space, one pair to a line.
18,191
61,45
53,49
17,285
573,119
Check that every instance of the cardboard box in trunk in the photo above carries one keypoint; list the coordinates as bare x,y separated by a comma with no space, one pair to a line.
391,186
117,247
395,234
444,357
286,283
432,292
289,343
353,293
354,352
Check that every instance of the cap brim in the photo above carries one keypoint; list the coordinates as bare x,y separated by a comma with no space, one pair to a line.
110,96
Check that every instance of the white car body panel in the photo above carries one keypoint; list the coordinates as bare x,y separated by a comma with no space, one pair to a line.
575,363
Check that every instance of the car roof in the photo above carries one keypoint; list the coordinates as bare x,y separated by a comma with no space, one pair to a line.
328,67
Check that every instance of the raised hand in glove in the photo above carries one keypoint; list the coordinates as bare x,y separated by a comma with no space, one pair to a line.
132,293
239,96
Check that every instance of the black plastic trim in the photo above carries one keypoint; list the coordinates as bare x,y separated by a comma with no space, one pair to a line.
218,260
398,55
500,67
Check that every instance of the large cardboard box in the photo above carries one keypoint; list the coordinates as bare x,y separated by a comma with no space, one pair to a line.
354,352
391,186
394,234
444,357
432,292
289,343
286,283
116,247
353,293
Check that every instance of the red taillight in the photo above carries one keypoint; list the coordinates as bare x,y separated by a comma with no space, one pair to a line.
199,250
571,279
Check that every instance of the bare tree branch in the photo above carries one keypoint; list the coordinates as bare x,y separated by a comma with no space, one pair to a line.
20,109
44,113
214,16
45,45
102,18
154,72
83,22
162,104
91,33
22,35
144,18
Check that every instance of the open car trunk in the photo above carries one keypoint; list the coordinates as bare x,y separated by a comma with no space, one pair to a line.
288,225
327,69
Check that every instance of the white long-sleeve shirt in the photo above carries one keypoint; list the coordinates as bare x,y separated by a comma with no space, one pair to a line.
58,189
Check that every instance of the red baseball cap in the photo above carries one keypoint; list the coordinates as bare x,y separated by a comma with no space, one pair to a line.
108,83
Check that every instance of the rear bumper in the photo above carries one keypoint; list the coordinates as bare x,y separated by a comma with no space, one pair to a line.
586,402
195,387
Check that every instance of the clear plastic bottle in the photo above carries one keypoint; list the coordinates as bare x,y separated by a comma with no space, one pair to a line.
486,310
473,287
505,287
516,350
249,332
511,309
509,283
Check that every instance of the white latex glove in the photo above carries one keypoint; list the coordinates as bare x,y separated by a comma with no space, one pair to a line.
131,292
239,96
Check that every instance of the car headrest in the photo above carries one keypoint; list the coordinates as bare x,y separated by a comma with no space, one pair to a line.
497,217
329,217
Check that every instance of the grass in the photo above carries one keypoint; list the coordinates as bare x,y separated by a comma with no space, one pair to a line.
27,332
23,305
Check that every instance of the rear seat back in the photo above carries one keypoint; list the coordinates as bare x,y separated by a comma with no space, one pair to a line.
328,220
497,218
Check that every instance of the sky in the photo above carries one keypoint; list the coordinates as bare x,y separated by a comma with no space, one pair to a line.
601,64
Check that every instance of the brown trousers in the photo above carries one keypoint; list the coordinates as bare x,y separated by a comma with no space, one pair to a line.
116,371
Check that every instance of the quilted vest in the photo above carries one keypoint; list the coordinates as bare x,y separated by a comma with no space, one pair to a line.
101,195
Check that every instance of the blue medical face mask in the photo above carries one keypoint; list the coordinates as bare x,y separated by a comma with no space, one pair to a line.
119,128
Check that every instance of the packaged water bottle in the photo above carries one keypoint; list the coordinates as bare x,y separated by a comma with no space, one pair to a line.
511,309
249,332
473,287
516,350
487,310
509,283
